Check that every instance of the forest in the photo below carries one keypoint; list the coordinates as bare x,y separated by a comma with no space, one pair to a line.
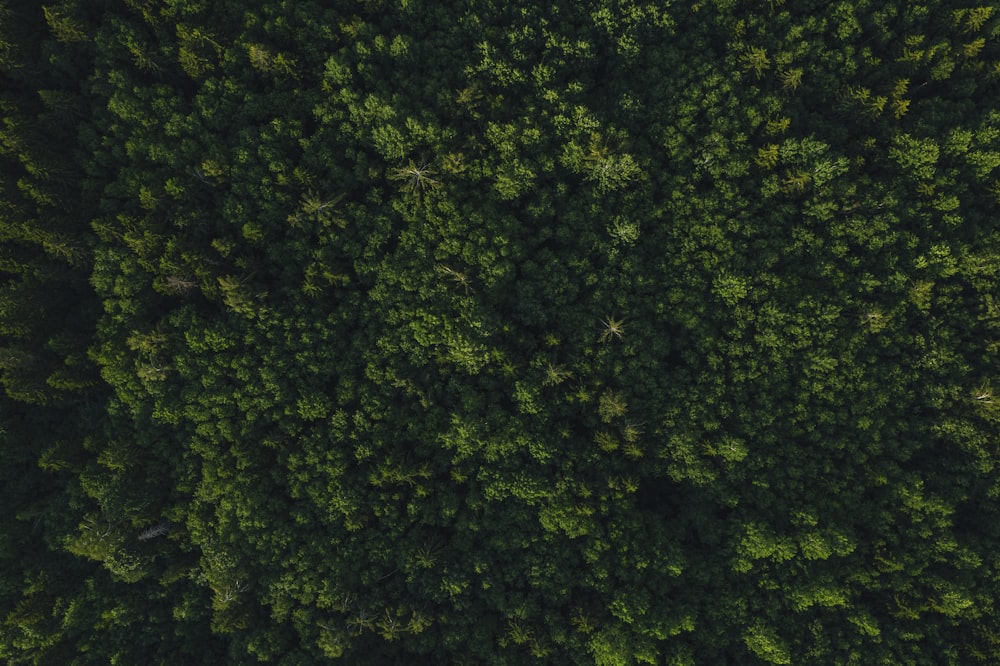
488,332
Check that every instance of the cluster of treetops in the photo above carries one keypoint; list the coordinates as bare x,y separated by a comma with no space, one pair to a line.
577,332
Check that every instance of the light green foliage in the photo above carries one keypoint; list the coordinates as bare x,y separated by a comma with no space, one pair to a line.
914,155
765,643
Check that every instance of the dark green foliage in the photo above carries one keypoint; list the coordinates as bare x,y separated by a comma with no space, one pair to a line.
397,332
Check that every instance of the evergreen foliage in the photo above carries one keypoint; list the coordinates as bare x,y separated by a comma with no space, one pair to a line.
396,331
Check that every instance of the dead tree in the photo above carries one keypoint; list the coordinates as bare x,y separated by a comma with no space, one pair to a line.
155,531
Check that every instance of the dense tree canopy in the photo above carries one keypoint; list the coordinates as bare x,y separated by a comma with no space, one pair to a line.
398,331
